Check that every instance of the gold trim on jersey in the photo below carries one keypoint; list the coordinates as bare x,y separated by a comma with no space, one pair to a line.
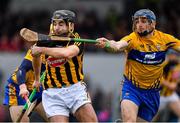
64,75
14,76
47,80
12,95
55,77
79,58
73,72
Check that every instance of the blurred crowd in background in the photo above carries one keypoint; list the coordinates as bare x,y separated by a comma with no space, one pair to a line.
113,25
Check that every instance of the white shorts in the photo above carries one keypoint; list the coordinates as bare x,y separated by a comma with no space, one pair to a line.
164,101
62,101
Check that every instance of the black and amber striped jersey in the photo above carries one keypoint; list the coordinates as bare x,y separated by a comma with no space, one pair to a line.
61,72
24,73
145,58
171,75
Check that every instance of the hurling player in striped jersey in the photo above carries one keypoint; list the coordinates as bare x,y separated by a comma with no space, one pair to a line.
65,90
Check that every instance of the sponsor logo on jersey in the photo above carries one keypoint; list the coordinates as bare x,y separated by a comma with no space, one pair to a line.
150,56
56,62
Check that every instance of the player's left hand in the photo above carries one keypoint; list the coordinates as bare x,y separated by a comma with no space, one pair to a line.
23,91
36,51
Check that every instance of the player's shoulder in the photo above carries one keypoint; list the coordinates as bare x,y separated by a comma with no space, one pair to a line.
132,35
161,34
28,55
129,36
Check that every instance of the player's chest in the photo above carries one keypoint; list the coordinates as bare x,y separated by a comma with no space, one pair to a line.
149,46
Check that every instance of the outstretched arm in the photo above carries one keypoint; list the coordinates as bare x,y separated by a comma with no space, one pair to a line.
111,44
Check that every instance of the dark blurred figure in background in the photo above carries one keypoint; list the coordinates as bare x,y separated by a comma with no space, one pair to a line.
3,110
102,104
171,12
4,43
169,97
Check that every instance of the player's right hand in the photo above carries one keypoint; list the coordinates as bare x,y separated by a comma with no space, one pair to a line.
23,91
36,85
101,42
36,51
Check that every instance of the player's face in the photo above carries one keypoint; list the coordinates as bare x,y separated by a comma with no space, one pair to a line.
142,24
60,27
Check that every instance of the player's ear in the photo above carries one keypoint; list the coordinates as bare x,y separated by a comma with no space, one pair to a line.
154,24
71,27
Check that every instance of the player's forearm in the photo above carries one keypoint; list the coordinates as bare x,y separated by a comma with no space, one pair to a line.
117,46
68,52
37,67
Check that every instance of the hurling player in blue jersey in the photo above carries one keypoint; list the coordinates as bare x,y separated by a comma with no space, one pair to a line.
19,86
146,49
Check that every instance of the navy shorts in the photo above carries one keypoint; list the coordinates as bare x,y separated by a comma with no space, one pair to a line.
146,99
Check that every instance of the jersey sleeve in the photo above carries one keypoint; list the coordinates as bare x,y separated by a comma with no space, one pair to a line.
129,40
172,42
80,45
28,55
25,66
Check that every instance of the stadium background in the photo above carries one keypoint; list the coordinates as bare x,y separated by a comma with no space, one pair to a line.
96,18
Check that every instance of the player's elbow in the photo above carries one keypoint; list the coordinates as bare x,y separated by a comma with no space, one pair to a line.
71,52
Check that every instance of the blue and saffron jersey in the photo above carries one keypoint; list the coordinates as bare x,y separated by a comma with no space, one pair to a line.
145,58
171,75
24,73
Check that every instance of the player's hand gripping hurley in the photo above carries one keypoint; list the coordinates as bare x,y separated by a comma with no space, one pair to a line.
29,102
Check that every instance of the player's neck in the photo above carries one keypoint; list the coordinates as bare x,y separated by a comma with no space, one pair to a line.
149,35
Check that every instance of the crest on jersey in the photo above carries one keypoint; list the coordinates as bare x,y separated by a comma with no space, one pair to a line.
56,62
158,47
141,46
